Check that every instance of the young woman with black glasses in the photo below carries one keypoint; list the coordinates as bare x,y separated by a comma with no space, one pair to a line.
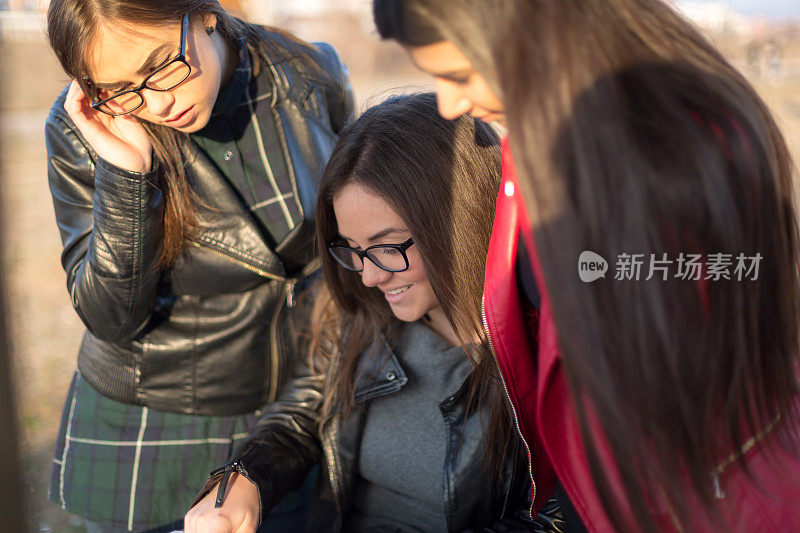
398,400
183,160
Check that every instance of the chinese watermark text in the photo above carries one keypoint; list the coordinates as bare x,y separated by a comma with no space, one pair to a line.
689,267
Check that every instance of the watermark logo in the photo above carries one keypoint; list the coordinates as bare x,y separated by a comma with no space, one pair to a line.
688,267
591,266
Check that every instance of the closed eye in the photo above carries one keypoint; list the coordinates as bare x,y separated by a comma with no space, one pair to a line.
457,78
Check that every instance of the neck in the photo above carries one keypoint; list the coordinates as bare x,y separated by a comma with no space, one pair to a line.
228,54
437,321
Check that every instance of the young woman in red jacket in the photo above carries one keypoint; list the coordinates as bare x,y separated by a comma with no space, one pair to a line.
642,281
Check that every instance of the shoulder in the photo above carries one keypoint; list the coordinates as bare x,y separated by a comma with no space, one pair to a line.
328,58
316,61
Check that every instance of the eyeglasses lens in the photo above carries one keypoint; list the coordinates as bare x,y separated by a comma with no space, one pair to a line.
169,77
384,257
388,258
123,103
347,258
165,79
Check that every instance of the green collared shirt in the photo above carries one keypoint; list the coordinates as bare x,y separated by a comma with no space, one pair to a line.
242,139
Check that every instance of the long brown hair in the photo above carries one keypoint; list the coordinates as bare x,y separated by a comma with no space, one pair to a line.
71,26
631,134
442,178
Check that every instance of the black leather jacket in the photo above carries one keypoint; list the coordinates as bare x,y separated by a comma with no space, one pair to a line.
203,336
289,442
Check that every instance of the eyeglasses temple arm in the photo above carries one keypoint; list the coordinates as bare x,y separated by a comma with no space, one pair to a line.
184,31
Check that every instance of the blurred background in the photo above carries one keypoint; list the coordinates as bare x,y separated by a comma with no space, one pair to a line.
761,37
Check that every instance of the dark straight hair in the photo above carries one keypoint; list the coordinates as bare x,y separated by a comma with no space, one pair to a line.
441,177
73,24
632,134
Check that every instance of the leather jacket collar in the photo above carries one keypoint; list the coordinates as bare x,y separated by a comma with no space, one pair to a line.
380,375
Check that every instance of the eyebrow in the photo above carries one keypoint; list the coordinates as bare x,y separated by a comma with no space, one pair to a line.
148,64
384,233
452,74
380,234
151,59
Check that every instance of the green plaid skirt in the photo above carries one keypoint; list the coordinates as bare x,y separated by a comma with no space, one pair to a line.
133,467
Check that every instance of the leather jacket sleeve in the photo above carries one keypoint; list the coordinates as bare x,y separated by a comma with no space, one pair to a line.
284,447
282,450
110,222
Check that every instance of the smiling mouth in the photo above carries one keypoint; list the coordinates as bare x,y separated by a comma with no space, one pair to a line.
398,291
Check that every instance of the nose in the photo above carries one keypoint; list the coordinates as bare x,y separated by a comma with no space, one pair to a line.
372,275
451,100
157,102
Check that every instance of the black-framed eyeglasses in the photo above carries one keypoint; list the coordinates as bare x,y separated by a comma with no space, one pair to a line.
389,257
164,78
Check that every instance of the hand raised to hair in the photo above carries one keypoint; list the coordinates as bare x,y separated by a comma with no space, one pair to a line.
238,514
122,140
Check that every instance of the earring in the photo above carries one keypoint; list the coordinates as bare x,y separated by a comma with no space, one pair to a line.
210,29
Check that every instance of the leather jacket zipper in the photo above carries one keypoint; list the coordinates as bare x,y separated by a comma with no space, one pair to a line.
511,404
248,266
287,297
748,445
288,293
333,465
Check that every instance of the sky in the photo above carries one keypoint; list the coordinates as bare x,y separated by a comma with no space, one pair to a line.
759,7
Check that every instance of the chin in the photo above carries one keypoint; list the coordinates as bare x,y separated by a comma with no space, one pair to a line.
407,315
199,123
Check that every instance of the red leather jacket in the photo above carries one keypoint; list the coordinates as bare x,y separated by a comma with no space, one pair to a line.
536,387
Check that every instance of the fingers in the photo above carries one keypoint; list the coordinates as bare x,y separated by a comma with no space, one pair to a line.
72,104
119,140
78,106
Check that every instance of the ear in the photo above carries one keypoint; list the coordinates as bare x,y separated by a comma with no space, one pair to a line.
209,20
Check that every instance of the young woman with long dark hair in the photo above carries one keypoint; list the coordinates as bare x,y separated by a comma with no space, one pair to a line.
665,394
183,160
411,436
